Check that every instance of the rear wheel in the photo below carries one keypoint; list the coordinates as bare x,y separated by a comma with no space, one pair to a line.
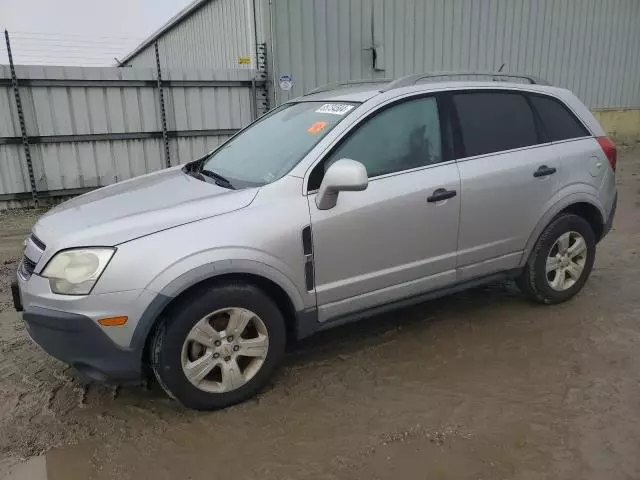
219,346
561,261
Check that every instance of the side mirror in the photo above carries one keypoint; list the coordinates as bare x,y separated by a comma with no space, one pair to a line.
344,175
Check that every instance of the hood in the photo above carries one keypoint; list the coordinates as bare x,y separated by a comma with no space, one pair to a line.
135,208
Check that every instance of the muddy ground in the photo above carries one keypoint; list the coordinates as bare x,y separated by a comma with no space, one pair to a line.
481,385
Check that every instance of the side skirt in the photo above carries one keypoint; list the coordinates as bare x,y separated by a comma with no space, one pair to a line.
307,320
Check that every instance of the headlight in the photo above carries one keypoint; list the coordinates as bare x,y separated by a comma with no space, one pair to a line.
75,272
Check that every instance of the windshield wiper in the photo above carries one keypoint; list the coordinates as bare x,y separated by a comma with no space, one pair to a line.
219,179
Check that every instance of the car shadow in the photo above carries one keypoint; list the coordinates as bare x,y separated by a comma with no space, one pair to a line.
349,338
476,305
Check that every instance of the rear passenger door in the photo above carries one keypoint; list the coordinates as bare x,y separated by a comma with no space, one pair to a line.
508,176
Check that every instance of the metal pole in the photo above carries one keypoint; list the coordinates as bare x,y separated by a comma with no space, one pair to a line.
254,103
23,127
254,93
163,111
255,32
260,91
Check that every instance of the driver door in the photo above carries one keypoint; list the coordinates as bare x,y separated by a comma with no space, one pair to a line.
398,238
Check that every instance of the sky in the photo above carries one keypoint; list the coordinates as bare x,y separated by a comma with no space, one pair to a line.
80,32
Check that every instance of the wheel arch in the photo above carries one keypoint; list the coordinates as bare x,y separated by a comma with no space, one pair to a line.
268,279
590,213
583,205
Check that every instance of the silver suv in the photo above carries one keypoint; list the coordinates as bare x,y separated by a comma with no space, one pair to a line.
349,201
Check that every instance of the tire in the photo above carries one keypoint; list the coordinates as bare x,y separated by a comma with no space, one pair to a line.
171,348
534,280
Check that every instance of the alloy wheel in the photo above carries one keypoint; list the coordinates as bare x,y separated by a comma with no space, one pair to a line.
224,350
566,261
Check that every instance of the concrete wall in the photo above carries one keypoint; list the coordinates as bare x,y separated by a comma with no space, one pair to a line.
622,125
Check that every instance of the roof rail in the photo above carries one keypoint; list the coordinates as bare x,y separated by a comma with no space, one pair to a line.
411,80
336,85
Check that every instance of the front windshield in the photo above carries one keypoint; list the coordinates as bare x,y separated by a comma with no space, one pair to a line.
271,147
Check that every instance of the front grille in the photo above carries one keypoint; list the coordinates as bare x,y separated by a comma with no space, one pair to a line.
34,248
26,268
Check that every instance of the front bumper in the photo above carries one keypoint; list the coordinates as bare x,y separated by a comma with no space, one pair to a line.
67,328
15,294
80,342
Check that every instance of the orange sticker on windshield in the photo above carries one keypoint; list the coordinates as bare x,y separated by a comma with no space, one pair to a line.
316,127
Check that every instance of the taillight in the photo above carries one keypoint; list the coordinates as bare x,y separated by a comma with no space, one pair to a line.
609,149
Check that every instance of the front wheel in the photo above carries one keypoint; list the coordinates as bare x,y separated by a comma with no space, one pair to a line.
560,262
219,346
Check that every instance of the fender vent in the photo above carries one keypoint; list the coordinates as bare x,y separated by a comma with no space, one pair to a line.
307,248
308,275
307,244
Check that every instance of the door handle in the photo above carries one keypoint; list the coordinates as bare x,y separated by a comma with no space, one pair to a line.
441,194
544,171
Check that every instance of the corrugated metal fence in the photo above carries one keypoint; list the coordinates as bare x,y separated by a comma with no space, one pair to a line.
90,127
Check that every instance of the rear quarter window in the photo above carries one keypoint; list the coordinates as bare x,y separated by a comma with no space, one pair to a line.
494,121
558,122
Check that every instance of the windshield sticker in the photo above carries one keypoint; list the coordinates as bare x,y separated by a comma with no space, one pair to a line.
317,127
335,108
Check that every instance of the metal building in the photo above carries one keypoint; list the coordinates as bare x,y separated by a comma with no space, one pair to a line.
82,128
589,46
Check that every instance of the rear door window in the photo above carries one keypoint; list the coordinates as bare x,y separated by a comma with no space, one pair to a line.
557,121
494,121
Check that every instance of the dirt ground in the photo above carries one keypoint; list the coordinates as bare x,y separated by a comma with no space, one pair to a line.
481,385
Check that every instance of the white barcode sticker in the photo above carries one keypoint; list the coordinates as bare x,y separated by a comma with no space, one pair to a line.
335,108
